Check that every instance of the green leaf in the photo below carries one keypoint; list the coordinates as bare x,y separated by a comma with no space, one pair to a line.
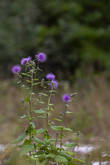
20,138
39,131
35,84
50,104
28,81
43,94
51,156
40,111
32,124
49,141
41,102
70,145
42,117
26,142
57,128
27,99
33,131
36,79
61,159
26,74
57,119
37,140
42,156
78,160
67,129
70,153
64,154
27,148
68,112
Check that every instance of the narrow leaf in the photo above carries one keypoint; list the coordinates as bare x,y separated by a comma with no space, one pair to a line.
40,111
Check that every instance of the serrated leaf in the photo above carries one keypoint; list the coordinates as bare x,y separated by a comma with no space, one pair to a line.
42,156
27,148
61,159
37,140
51,156
63,153
49,141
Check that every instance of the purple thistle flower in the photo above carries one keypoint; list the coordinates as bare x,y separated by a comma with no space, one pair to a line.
66,98
24,61
54,84
41,57
29,59
50,76
16,69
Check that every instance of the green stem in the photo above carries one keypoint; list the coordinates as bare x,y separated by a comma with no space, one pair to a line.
61,132
30,107
30,102
64,114
56,140
49,101
61,138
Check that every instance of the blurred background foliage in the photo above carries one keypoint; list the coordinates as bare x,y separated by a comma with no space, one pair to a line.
75,34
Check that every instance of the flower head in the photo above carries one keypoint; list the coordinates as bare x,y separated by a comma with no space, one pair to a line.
29,59
41,57
66,98
24,61
54,84
50,76
16,69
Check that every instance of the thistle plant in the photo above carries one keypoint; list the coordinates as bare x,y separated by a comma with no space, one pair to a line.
45,145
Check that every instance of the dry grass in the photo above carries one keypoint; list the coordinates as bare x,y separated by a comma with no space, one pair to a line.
90,110
9,109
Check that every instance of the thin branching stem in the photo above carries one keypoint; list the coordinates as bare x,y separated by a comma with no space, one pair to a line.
49,101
